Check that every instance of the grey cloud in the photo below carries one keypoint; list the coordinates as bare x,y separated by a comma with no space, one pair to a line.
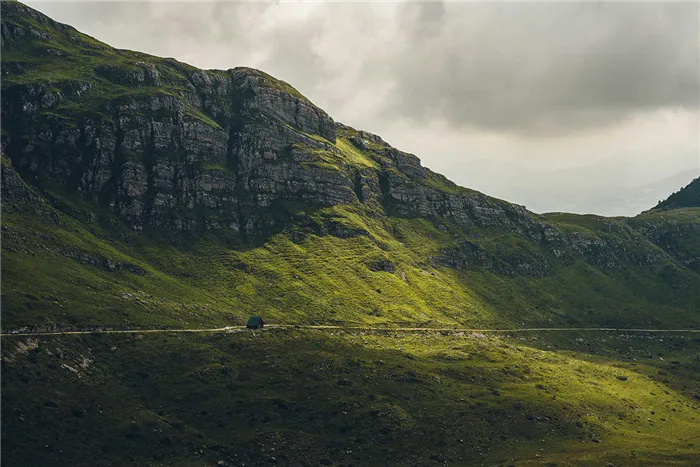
544,68
292,55
538,69
424,19
183,30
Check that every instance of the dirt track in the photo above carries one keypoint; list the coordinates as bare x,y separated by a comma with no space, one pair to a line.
232,329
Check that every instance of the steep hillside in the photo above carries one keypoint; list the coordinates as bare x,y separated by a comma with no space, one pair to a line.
687,197
143,191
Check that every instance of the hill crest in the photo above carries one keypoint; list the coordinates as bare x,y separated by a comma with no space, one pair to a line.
686,197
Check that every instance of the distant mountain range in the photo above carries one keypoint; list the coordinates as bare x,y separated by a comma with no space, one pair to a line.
590,189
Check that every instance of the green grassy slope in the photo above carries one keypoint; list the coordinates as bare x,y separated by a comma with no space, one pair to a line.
73,273
307,398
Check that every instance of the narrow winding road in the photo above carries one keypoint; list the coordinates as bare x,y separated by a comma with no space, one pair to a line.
233,329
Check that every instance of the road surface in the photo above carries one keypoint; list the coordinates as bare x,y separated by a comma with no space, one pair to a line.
231,329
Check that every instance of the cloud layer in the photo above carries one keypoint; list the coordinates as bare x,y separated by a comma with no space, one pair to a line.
542,68
531,69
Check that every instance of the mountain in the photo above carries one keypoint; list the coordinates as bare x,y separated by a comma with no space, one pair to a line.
594,188
142,193
217,190
687,197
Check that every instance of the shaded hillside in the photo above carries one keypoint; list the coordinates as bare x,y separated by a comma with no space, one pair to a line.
307,398
687,197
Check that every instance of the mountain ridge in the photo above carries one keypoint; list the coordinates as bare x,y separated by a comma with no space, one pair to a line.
686,197
291,117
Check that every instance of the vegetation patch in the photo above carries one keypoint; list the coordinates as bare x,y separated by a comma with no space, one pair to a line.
313,397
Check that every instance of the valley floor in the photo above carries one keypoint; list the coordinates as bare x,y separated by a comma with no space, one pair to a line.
340,396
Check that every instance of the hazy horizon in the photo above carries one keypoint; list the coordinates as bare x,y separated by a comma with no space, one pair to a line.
578,107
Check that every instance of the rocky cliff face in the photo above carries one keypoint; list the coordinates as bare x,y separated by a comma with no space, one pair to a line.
167,147
677,234
153,164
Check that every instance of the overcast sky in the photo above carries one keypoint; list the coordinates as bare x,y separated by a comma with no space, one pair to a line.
583,107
